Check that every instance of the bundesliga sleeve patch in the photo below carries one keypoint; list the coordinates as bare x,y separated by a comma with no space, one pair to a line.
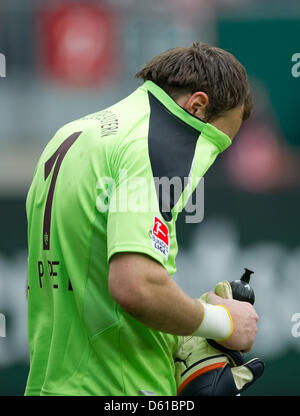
160,237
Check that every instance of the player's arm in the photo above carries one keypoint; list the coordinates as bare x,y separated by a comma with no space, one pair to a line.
143,288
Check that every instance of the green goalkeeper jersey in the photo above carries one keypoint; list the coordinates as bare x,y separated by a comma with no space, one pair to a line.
96,192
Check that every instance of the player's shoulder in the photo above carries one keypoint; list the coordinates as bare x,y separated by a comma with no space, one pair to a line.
120,118
118,126
95,126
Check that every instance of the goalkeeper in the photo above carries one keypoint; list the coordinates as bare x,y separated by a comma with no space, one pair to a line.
104,315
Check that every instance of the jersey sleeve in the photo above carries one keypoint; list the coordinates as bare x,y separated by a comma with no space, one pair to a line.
134,222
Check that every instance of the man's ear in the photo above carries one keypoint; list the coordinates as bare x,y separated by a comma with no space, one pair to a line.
196,104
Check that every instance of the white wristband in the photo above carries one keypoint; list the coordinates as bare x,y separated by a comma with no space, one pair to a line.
216,323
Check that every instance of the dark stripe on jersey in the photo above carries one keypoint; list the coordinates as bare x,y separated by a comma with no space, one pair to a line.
171,144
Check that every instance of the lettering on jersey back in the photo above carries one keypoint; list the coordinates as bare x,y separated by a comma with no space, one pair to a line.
109,123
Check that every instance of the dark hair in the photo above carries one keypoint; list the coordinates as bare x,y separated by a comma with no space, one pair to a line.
201,67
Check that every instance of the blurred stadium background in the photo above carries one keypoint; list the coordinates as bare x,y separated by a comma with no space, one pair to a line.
65,59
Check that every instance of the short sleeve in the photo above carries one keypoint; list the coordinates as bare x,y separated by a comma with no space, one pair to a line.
134,222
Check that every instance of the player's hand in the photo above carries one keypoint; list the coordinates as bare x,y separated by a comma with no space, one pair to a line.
244,319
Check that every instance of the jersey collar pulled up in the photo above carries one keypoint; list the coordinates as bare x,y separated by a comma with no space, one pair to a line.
211,133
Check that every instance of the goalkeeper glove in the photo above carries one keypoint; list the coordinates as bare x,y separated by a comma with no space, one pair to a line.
205,368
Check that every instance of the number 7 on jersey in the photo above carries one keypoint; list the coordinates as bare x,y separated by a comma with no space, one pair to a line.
56,159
